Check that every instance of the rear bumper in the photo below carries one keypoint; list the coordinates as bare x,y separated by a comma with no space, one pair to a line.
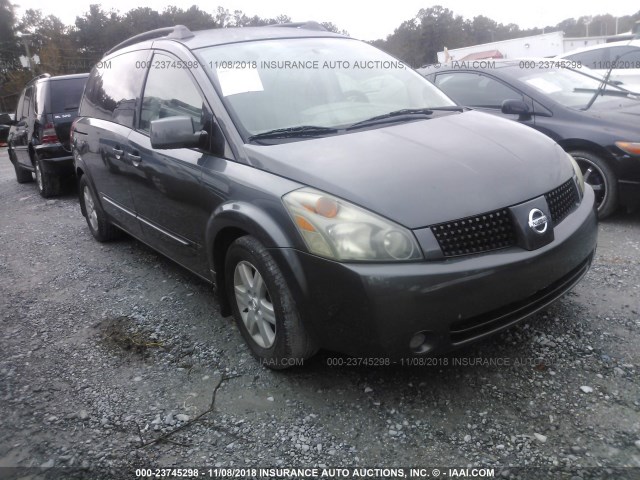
55,159
365,309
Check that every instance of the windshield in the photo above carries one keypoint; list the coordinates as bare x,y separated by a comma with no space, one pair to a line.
319,82
572,89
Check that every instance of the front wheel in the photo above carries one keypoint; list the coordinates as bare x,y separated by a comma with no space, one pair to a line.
99,225
263,307
599,175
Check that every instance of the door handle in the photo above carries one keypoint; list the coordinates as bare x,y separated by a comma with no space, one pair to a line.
118,152
135,159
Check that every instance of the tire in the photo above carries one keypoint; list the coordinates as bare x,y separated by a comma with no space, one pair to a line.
48,184
100,227
600,176
22,174
263,307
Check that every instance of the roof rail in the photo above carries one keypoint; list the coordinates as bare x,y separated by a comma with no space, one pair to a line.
38,77
179,32
310,25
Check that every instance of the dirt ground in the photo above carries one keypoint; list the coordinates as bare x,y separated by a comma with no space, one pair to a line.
113,358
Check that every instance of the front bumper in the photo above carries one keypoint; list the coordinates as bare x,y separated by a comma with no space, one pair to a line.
627,170
629,193
365,309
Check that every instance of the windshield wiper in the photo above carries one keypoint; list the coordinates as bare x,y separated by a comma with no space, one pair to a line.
294,132
400,115
605,80
614,93
393,116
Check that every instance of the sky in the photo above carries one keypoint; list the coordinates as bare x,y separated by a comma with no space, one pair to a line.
365,20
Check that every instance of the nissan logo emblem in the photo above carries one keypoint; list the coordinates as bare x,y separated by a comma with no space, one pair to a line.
538,221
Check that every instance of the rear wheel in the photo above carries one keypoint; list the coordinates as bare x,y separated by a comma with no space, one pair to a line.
263,307
22,174
48,184
600,176
99,225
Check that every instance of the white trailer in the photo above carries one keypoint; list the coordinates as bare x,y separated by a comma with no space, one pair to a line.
544,45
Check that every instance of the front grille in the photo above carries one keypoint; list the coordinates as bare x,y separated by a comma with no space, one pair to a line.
495,230
482,233
562,200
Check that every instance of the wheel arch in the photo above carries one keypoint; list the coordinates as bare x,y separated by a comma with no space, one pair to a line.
576,144
231,221
607,169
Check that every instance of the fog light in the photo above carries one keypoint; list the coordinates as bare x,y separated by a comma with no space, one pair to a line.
417,340
421,343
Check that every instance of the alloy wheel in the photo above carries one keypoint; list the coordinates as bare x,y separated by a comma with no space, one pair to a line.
39,177
595,177
254,304
90,207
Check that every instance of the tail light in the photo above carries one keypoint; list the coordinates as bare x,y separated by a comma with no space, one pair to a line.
49,134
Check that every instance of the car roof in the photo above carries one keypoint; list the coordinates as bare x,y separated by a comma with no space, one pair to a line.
68,77
221,36
624,43
45,77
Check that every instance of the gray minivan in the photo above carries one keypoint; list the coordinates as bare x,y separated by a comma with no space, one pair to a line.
332,196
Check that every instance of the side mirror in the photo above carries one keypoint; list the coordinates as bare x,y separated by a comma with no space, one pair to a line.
515,107
5,119
175,132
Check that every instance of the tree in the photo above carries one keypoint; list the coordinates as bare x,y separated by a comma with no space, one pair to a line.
193,18
334,28
143,19
481,30
417,41
9,46
91,30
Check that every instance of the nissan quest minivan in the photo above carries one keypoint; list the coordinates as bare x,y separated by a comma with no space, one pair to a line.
333,197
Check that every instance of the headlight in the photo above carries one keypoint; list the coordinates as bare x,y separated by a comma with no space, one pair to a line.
632,148
336,229
578,175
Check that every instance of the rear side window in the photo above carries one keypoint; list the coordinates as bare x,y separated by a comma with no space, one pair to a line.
65,95
113,87
28,98
476,90
625,57
596,59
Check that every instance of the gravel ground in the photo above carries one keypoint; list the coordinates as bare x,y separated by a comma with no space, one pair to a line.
106,349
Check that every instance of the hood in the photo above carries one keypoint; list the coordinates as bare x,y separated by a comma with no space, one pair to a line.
428,171
622,120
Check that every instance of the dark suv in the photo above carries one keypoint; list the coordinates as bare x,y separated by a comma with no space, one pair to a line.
39,136
333,196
